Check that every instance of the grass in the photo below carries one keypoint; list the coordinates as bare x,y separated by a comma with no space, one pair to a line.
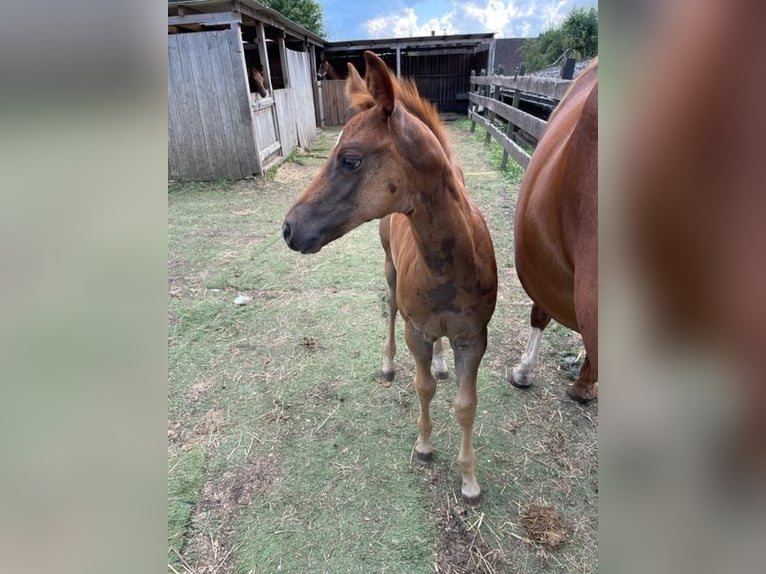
512,172
285,454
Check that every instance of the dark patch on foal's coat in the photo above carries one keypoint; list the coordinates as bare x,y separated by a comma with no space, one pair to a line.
443,298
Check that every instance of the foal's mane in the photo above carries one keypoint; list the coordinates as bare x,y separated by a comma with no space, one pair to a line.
408,95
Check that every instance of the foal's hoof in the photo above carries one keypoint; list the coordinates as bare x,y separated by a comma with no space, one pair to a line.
441,375
582,394
521,378
472,501
387,376
424,457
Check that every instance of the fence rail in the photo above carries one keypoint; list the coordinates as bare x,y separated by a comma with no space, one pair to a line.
486,94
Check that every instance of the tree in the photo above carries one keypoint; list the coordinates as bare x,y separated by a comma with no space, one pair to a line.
578,32
307,13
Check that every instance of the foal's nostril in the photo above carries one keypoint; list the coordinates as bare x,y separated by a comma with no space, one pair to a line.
287,232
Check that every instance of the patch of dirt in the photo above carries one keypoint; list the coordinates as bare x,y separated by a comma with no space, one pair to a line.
199,389
214,421
555,443
327,391
310,344
237,487
460,547
292,172
173,430
544,525
223,497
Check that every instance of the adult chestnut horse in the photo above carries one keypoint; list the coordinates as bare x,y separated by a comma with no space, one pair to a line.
393,161
556,231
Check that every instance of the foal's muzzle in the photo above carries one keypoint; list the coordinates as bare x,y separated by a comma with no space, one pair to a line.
300,242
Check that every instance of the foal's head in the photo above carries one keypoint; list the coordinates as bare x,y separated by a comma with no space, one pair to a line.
384,155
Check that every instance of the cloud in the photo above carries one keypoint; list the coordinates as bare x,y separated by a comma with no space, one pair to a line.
506,18
404,25
497,15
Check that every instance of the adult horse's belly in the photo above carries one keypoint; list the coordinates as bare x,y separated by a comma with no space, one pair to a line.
542,261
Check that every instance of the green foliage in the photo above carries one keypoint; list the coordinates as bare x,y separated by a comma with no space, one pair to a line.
578,32
307,13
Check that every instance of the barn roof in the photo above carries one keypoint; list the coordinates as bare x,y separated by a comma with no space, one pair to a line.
455,43
249,8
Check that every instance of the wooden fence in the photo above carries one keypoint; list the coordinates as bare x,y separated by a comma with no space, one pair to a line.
487,93
335,109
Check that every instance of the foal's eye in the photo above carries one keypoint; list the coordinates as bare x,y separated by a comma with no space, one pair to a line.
350,162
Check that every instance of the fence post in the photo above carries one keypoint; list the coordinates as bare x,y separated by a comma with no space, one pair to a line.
488,93
511,129
473,104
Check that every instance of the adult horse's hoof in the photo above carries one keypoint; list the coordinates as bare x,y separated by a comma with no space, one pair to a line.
520,378
581,394
472,501
424,457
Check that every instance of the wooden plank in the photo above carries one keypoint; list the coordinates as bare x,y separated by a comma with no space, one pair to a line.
283,61
247,145
210,112
176,166
286,122
238,102
219,18
220,88
527,122
513,149
272,149
300,72
549,87
265,128
194,144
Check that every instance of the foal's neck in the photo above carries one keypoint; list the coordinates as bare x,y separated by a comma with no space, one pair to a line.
442,224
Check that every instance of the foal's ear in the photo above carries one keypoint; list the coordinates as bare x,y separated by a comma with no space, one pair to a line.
356,90
380,82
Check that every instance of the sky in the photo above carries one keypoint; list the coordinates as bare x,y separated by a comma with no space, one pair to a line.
350,20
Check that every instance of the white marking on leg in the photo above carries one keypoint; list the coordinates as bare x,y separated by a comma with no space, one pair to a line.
438,364
522,373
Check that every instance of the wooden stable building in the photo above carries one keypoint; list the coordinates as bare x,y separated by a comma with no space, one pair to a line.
440,65
218,126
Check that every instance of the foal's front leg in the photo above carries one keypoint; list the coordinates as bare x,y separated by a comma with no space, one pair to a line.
387,372
468,356
425,385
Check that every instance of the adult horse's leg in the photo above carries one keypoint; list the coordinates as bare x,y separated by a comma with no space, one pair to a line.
438,364
389,350
521,376
467,358
425,385
585,388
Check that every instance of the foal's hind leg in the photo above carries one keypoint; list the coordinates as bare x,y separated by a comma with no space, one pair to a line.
438,364
521,376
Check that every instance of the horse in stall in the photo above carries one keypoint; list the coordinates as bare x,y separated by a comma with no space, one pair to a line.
556,232
393,162
258,82
326,71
